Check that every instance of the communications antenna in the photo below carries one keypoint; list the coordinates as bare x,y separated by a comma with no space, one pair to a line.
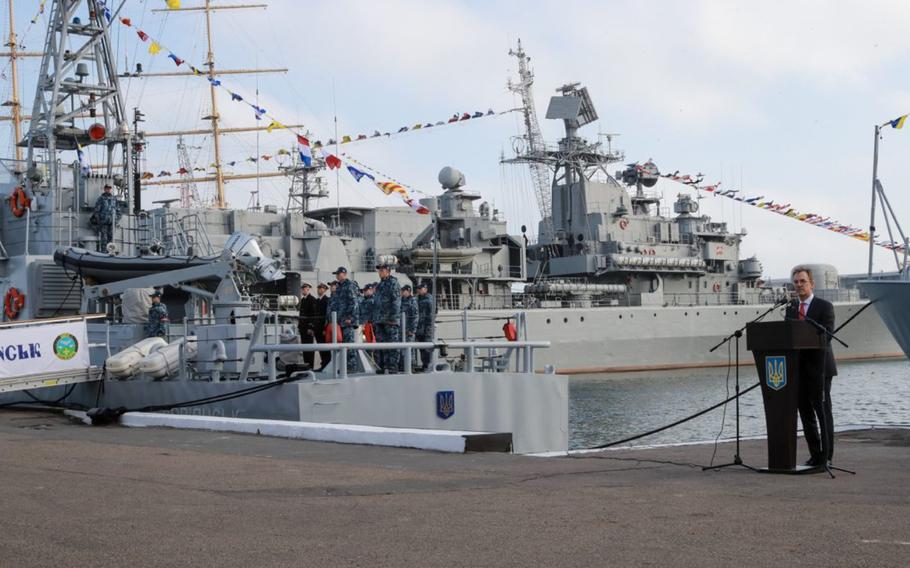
530,147
189,195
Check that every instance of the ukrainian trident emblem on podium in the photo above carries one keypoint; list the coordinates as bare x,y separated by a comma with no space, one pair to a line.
776,372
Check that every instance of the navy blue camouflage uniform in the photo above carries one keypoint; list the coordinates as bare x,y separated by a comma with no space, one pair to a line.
345,302
386,320
426,323
157,322
409,308
105,213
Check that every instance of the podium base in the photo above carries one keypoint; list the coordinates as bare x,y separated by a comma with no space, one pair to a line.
798,470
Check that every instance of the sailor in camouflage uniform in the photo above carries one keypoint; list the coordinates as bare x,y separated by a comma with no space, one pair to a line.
387,316
104,215
345,303
409,308
158,318
426,322
366,313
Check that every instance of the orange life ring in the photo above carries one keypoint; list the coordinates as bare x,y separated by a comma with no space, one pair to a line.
508,329
623,223
13,303
19,202
717,286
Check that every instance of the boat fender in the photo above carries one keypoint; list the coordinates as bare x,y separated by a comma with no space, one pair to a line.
717,286
510,332
13,303
19,202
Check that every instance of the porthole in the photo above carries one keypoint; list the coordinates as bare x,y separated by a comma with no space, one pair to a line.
620,316
565,320
697,313
655,315
548,320
582,318
686,314
735,313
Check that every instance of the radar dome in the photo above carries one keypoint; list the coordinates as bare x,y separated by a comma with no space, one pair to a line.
450,178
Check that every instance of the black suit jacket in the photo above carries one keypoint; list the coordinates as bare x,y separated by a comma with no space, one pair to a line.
309,309
821,311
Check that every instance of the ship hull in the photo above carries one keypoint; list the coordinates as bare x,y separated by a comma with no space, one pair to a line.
618,339
892,298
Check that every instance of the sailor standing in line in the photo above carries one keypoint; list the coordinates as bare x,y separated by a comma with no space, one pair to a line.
366,313
386,317
345,303
104,216
158,318
426,322
305,322
322,308
409,308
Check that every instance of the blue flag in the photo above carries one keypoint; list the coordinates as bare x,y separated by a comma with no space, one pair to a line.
359,174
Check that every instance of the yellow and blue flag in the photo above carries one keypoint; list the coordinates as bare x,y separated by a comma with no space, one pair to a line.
898,122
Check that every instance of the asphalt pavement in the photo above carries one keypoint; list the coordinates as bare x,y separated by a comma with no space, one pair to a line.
76,495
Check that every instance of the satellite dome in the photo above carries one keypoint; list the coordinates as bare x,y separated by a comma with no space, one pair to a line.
450,178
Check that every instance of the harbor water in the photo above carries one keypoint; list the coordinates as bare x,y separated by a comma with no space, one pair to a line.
608,407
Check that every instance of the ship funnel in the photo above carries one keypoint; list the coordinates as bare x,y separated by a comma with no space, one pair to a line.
245,250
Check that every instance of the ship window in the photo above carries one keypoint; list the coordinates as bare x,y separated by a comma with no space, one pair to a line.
704,284
725,313
697,313
565,320
655,315
582,318
690,284
620,316
685,313
735,313
548,320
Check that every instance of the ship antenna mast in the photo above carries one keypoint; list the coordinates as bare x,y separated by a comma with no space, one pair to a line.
534,148
215,129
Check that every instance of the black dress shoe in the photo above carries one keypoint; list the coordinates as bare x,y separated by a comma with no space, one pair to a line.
813,462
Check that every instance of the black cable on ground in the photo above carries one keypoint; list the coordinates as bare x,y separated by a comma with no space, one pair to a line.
677,423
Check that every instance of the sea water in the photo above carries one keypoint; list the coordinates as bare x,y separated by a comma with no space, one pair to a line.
608,407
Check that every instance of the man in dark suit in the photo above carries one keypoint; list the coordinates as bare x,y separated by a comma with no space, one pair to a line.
306,322
322,309
816,369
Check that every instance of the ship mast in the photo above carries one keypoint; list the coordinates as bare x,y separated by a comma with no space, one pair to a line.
215,129
533,139
15,107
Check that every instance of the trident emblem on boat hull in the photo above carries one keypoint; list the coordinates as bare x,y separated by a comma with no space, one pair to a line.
445,404
776,372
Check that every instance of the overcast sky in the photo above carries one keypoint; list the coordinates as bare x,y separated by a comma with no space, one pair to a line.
773,98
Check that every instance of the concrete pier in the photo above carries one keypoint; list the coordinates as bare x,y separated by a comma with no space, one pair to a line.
75,495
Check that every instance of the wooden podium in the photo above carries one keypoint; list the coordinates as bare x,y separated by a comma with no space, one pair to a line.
776,346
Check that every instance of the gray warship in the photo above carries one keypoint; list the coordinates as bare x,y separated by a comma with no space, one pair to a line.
75,303
614,282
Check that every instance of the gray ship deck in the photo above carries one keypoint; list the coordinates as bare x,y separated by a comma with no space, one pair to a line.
76,495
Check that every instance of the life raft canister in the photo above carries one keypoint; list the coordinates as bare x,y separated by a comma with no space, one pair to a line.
717,286
509,330
19,202
13,303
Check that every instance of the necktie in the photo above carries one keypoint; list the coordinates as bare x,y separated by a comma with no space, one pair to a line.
802,310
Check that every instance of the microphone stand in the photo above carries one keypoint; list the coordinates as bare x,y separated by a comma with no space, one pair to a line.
737,458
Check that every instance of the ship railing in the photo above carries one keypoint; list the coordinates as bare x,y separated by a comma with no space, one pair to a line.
497,355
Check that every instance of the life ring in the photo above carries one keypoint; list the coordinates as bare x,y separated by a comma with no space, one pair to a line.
623,224
717,286
19,202
510,332
13,303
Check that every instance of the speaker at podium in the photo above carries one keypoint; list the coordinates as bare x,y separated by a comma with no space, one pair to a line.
776,347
